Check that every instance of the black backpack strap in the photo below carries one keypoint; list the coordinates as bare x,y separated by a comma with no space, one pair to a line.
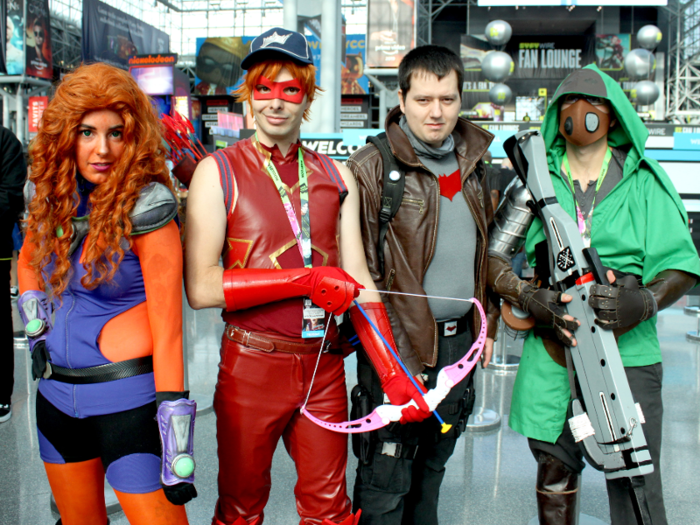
392,191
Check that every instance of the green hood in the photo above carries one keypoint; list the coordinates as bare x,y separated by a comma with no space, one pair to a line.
592,81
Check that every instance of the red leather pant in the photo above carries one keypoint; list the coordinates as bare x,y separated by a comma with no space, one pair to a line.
257,400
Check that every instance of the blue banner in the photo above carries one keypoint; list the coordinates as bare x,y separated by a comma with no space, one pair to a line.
112,36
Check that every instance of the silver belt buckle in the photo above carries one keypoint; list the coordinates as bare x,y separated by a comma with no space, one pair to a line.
392,449
449,328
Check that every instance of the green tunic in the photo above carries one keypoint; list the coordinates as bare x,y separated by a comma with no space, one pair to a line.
640,227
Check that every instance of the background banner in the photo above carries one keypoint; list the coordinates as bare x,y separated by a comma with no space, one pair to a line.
112,36
14,37
39,62
219,59
154,73
3,36
540,63
391,30
219,64
37,105
353,82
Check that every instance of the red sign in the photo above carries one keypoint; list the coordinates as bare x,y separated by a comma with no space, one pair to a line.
37,105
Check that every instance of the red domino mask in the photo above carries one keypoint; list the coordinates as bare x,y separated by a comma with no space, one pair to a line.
277,90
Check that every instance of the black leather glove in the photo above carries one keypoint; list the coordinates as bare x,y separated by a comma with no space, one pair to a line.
547,308
621,304
40,357
181,493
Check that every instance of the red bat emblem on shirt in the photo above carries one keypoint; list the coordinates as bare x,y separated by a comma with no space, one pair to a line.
450,184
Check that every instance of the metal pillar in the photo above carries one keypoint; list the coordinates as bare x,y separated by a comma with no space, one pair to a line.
372,75
693,310
502,361
329,114
6,101
683,86
19,109
290,15
482,419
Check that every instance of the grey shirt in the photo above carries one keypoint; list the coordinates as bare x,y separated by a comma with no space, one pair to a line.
451,270
613,176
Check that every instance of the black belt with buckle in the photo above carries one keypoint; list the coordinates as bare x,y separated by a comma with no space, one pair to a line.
100,373
453,327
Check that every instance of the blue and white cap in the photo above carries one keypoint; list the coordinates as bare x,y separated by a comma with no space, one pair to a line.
278,40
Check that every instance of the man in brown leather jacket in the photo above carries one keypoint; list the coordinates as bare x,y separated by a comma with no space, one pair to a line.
436,245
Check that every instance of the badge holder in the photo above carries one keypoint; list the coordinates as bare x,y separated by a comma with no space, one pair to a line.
313,320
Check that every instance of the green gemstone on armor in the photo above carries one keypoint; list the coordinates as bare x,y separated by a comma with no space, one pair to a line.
184,467
34,326
59,231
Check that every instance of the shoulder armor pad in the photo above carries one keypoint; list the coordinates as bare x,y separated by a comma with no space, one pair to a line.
28,191
155,207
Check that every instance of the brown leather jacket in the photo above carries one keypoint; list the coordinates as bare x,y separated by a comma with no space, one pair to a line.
410,239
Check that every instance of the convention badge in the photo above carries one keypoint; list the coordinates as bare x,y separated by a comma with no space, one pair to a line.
313,323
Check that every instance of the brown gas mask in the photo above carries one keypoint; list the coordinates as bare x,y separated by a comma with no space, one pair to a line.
582,123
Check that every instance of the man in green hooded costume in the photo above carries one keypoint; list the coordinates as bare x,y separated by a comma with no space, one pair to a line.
628,209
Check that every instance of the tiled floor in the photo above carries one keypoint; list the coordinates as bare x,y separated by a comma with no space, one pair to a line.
490,478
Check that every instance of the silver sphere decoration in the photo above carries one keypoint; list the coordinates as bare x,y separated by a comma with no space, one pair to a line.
645,93
649,37
639,64
496,66
500,94
498,32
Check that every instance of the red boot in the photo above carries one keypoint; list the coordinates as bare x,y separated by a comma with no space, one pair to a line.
239,521
353,519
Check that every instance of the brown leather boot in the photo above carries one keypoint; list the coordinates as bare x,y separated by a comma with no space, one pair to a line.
557,492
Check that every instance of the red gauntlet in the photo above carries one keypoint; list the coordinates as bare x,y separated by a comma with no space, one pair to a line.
328,287
395,383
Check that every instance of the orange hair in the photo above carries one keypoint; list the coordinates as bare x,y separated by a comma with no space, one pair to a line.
53,171
270,69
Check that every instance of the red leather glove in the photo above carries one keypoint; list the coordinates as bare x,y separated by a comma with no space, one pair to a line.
329,288
400,391
394,381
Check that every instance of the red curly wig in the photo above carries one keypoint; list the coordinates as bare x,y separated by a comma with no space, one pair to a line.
53,171
270,69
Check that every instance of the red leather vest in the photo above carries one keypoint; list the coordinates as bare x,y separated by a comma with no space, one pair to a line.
259,235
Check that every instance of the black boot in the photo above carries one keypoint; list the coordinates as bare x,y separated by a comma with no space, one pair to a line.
557,492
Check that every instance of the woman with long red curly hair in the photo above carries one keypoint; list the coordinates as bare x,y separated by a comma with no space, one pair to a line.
101,279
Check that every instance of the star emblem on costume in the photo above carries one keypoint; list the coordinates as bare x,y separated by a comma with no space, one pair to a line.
274,38
450,185
237,252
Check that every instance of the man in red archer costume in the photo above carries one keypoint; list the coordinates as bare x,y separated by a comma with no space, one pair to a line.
282,215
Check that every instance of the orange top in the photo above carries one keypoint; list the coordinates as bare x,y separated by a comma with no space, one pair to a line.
153,327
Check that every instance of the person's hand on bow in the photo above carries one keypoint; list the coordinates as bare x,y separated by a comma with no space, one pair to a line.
400,391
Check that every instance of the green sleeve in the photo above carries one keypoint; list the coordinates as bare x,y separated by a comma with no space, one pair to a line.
668,245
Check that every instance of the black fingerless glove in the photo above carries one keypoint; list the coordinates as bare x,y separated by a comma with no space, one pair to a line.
40,359
181,493
546,307
621,304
